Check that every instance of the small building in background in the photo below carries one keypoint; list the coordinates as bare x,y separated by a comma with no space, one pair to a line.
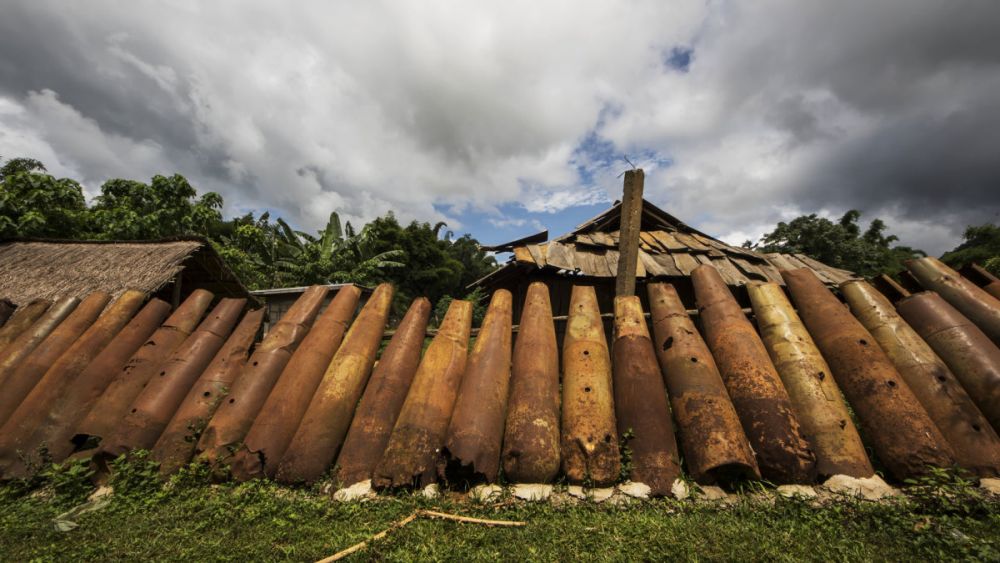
277,301
168,268
669,250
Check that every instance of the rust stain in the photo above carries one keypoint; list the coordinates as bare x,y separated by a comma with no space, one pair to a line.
763,405
317,440
475,433
54,426
21,321
975,443
156,404
414,448
275,424
175,447
972,301
234,416
641,405
714,445
531,437
589,431
966,350
815,396
24,378
15,434
903,436
380,405
31,337
114,403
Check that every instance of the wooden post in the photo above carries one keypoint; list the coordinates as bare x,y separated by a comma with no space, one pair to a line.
628,240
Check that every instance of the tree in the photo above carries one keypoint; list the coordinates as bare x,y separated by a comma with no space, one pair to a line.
981,245
36,204
167,206
840,244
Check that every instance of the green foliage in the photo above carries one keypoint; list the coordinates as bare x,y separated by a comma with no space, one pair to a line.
841,244
981,245
261,252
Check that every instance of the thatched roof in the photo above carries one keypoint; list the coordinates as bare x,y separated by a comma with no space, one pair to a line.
49,269
669,248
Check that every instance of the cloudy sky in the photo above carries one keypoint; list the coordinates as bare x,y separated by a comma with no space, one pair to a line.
505,119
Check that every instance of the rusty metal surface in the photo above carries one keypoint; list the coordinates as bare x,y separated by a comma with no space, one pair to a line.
6,310
712,440
16,432
414,448
114,403
275,424
153,408
760,399
175,447
316,442
24,378
974,442
967,351
902,434
531,437
817,401
31,337
589,443
475,433
21,321
993,288
641,407
234,416
972,301
380,405
53,425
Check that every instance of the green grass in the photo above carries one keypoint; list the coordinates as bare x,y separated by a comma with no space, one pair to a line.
188,519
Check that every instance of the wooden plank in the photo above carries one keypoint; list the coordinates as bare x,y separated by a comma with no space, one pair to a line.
651,266
521,254
611,258
585,263
703,258
667,264
649,243
730,273
779,261
668,241
628,238
691,242
560,256
751,271
685,262
537,254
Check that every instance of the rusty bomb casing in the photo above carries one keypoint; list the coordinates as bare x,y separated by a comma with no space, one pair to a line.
475,433
414,448
61,374
175,447
815,396
975,303
902,434
761,401
24,378
54,425
380,405
6,311
29,339
712,439
967,351
975,444
531,437
114,403
21,320
589,441
234,416
642,411
317,440
274,426
156,404
993,288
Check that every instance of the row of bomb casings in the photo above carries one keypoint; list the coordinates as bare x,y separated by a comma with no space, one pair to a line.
290,409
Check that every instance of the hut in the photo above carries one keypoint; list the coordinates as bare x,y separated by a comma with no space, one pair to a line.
278,300
669,250
168,268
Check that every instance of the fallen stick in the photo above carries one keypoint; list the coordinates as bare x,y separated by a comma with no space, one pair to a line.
416,514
